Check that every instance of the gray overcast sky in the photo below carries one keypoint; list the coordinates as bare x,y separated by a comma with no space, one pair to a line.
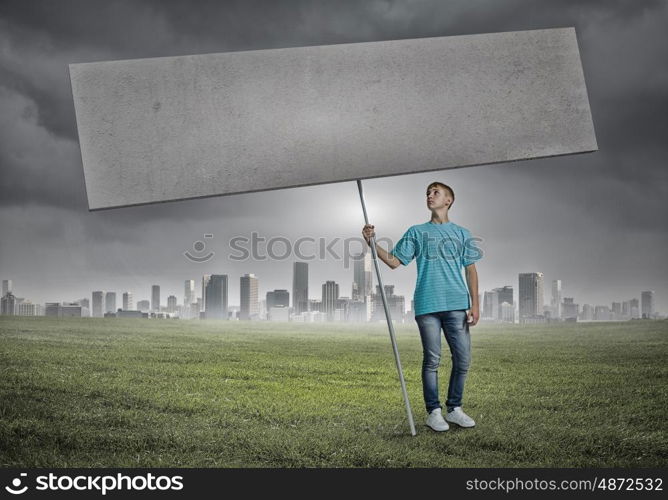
596,221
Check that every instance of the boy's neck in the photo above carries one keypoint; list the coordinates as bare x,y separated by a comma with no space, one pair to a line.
440,217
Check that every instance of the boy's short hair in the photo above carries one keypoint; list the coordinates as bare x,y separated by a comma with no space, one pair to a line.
444,186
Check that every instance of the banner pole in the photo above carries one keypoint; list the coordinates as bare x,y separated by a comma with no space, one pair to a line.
390,326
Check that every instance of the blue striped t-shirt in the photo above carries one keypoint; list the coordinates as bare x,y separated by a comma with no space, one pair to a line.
441,252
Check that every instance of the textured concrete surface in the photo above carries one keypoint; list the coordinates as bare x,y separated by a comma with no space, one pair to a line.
173,128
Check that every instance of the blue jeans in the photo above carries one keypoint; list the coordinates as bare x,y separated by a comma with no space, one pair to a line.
457,334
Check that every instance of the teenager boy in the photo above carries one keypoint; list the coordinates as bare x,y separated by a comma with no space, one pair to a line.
443,301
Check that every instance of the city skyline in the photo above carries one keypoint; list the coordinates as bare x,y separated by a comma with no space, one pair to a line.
506,303
595,221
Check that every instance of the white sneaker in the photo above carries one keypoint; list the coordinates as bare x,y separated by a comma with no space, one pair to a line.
436,422
457,416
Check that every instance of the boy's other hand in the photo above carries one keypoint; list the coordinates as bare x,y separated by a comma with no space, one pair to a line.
472,316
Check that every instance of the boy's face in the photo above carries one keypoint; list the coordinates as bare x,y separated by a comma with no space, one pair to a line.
437,198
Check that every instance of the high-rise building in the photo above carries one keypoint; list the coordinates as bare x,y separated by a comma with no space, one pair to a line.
530,295
617,311
7,286
362,276
505,294
85,307
635,308
647,304
330,294
342,311
188,297
278,298
205,282
8,304
110,302
556,299
300,287
215,294
491,306
171,304
188,292
98,304
492,301
249,306
395,303
128,301
155,298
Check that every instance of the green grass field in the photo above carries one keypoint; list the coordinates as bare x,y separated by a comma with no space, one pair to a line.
165,393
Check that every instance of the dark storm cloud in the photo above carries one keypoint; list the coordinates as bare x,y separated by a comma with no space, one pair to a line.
41,37
624,47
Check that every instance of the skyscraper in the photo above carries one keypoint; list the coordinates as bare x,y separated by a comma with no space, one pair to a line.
300,287
530,295
330,294
188,297
155,298
491,305
249,307
215,294
171,304
205,282
110,302
128,301
7,286
362,276
616,311
587,313
647,304
8,304
98,304
503,294
556,298
635,308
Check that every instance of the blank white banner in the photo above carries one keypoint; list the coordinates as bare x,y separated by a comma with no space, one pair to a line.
175,128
